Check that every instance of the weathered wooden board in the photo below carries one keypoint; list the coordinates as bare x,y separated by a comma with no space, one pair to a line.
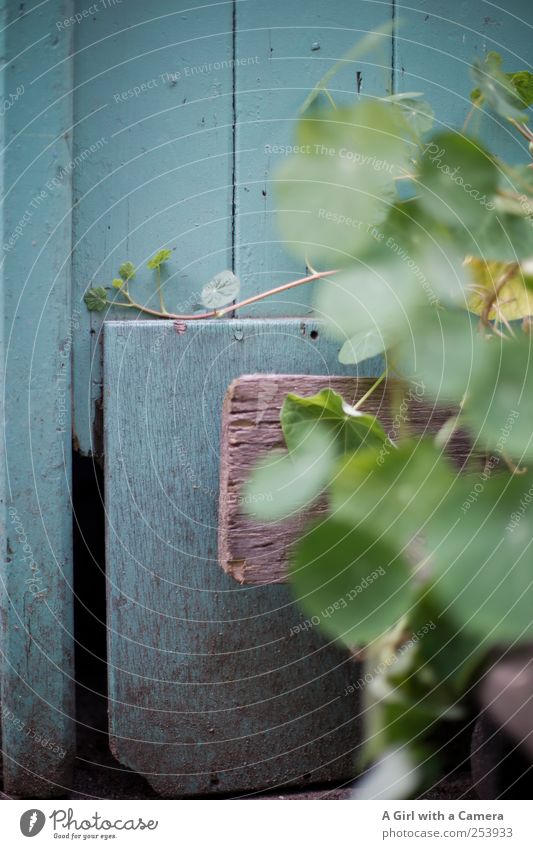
286,49
209,690
256,552
37,675
154,125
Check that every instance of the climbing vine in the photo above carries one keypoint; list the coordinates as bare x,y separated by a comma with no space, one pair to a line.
433,239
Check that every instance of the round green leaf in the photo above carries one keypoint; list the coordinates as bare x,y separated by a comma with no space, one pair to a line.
221,290
496,89
376,298
159,258
341,184
444,353
95,299
347,428
357,587
284,482
499,409
480,542
361,347
457,180
392,490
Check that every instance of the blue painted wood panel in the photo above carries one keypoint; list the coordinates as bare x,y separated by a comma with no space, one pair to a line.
284,49
154,123
3,505
37,704
185,101
209,690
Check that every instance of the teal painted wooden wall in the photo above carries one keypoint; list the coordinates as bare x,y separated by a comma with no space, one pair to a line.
184,137
156,137
185,106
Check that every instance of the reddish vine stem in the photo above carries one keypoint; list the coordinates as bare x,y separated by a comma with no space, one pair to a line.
221,312
522,129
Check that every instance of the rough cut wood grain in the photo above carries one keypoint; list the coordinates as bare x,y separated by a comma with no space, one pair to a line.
256,552
213,687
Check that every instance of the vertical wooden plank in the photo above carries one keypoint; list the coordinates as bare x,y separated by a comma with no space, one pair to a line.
282,50
213,688
435,47
3,498
36,574
153,113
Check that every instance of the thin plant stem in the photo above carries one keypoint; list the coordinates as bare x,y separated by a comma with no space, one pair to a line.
492,297
160,292
522,129
329,97
513,468
372,389
469,117
310,267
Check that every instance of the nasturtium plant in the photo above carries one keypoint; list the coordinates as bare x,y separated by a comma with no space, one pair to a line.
285,482
370,298
418,113
216,295
499,409
361,346
410,479
457,180
347,427
352,159
333,560
420,562
481,571
444,353
507,94
317,430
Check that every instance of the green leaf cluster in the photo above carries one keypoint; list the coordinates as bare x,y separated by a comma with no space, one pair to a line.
507,94
424,564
